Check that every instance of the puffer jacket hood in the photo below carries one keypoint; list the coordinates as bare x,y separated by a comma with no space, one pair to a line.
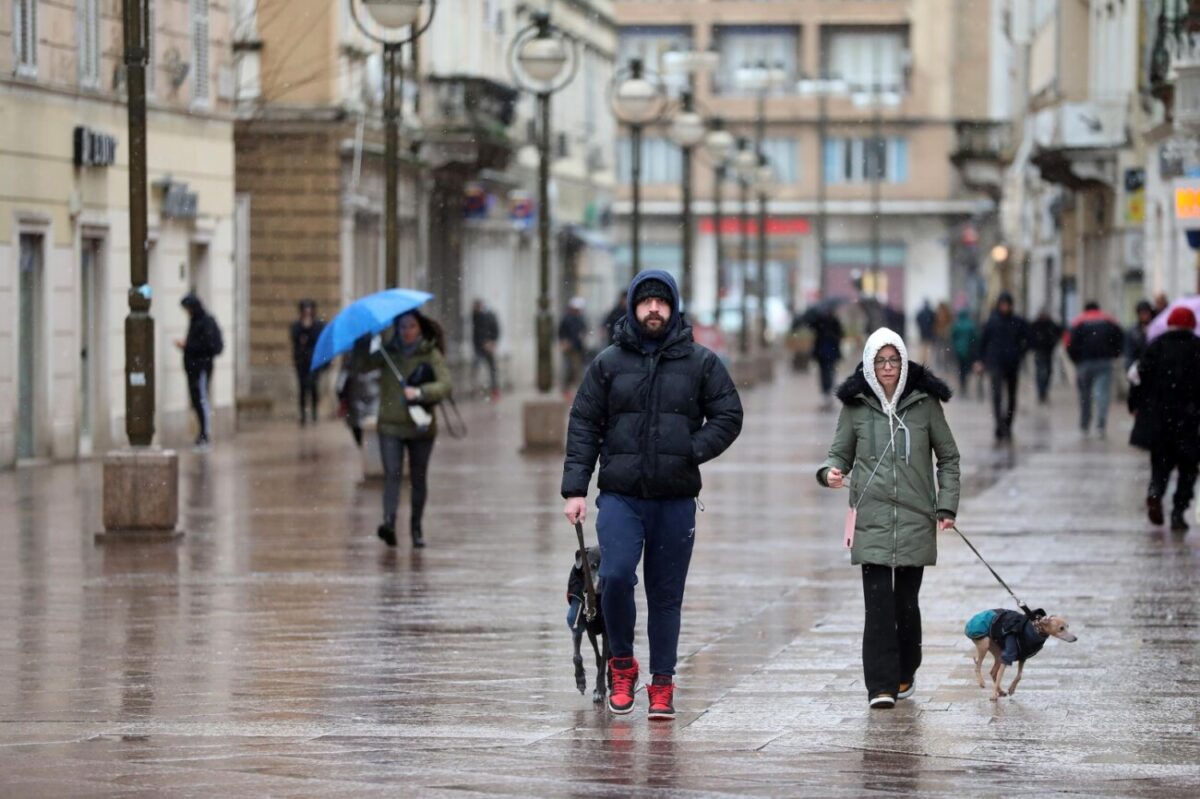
193,304
662,276
883,337
855,388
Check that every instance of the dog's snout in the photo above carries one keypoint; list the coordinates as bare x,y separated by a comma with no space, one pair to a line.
1066,636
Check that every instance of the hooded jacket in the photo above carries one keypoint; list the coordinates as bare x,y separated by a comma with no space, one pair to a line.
1167,397
203,342
899,505
1005,339
651,412
1094,336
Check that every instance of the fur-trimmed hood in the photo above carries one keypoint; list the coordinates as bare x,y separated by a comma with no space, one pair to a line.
855,388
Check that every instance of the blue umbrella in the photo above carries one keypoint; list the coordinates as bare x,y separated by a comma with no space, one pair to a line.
366,317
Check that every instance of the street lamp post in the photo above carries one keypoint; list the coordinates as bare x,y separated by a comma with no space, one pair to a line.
746,165
687,131
764,182
543,59
876,97
637,100
718,145
395,25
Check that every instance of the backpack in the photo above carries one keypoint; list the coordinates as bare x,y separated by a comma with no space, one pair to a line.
214,337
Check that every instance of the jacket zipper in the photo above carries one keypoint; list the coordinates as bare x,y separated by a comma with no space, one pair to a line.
651,414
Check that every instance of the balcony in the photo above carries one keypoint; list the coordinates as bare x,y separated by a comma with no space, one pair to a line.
1076,143
982,150
467,123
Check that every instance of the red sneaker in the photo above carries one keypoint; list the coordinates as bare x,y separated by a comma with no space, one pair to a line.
661,691
624,684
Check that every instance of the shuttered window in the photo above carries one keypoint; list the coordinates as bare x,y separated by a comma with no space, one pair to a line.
200,65
866,160
88,26
25,36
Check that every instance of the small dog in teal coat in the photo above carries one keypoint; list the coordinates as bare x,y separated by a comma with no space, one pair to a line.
1012,637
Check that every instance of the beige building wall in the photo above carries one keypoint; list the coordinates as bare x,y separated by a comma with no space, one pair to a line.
44,195
302,66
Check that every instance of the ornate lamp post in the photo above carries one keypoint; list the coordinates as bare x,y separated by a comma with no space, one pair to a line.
543,59
764,184
637,100
687,131
718,146
394,25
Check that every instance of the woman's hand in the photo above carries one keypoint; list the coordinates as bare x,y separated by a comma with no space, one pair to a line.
945,524
834,477
411,393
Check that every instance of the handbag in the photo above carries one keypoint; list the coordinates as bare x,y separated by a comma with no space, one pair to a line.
456,427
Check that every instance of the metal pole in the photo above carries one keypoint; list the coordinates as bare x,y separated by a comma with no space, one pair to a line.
822,181
744,257
876,208
718,223
686,180
391,158
139,325
761,134
545,366
635,137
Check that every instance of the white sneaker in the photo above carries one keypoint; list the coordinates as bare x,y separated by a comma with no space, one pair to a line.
905,693
883,702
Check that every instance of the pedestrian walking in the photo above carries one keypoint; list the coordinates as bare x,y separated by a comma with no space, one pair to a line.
485,333
203,343
304,334
572,341
942,325
1002,347
890,428
1136,338
926,323
827,346
652,408
964,338
1045,334
1166,404
616,314
414,381
358,396
1094,341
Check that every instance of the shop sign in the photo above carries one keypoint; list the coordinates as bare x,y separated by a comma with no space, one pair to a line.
1187,201
93,148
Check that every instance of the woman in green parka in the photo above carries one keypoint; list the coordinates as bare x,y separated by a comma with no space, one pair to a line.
410,385
889,430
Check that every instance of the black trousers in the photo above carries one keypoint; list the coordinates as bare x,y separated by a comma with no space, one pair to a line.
828,373
892,635
1004,382
1044,363
488,359
391,450
307,381
1165,457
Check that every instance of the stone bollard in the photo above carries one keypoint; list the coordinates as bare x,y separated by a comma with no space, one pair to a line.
545,425
141,494
744,372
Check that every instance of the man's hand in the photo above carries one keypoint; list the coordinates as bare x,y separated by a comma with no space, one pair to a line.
834,477
575,510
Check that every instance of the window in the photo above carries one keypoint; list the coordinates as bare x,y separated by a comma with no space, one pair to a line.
88,29
865,160
25,36
200,81
865,57
649,44
662,162
781,155
747,45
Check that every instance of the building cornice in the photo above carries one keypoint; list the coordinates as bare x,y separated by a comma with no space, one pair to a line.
31,89
778,208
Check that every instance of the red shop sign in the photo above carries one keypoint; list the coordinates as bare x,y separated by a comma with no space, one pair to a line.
731,226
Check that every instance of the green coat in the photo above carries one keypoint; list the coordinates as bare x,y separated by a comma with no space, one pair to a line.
394,419
886,532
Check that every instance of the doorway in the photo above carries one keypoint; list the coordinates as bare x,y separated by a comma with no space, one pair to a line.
91,342
29,337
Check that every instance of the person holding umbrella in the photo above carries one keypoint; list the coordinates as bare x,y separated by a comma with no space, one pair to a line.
413,379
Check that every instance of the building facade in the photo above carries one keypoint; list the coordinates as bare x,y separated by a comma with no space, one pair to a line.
865,193
64,222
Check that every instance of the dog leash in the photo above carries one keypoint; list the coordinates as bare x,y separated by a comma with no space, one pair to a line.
589,587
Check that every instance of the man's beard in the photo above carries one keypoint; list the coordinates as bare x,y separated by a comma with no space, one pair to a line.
651,332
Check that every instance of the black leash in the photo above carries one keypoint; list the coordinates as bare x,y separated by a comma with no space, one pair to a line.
589,587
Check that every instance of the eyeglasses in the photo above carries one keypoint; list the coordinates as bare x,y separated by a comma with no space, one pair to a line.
892,362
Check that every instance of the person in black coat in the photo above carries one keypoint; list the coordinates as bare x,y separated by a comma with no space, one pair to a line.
203,343
827,346
1166,401
1044,336
485,332
1002,347
652,408
304,334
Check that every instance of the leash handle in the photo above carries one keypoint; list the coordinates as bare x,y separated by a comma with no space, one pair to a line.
589,587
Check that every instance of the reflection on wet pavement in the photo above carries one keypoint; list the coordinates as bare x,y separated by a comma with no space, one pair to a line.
280,649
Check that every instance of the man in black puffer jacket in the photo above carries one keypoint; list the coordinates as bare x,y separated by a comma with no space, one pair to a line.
652,407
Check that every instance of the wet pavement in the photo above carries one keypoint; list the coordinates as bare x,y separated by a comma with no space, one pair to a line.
280,649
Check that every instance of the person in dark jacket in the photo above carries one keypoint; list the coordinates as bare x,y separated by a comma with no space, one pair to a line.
572,341
891,428
615,315
827,346
485,332
1135,337
413,377
1094,341
964,336
652,408
203,343
1166,401
926,320
304,334
1002,347
1044,336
